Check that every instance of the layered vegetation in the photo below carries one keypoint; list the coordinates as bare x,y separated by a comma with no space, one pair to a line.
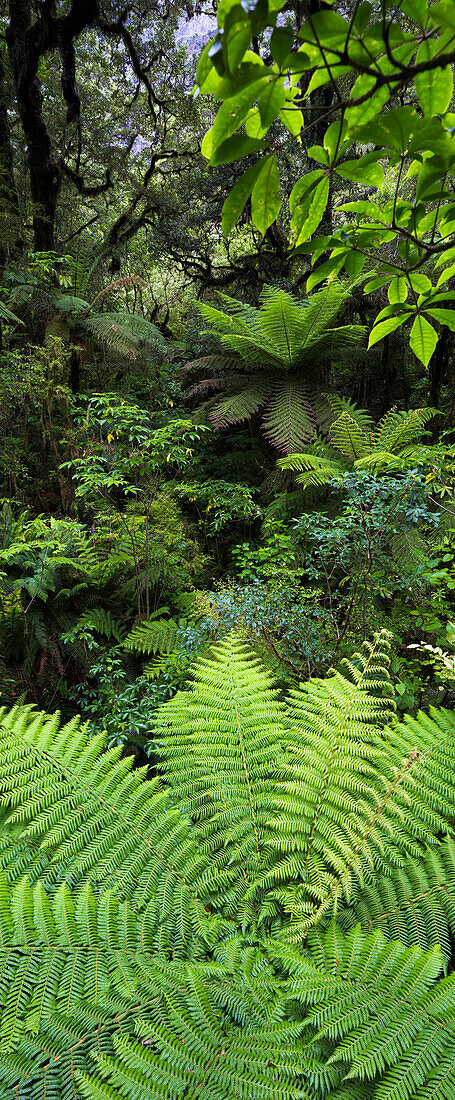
227,551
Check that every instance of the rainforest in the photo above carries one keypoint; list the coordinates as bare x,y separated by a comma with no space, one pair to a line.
227,550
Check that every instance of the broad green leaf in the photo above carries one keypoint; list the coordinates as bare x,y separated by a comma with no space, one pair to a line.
416,10
325,76
324,26
392,130
308,215
432,171
237,146
443,14
281,44
448,254
395,310
363,112
236,39
231,115
379,331
319,154
204,66
305,185
398,290
271,101
434,88
420,283
265,197
224,7
423,339
444,316
334,137
446,275
292,118
331,267
354,263
376,283
362,17
298,61
237,199
364,170
253,125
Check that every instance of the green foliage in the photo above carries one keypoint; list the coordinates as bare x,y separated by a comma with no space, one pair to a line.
362,63
200,931
277,346
46,568
71,318
156,635
354,443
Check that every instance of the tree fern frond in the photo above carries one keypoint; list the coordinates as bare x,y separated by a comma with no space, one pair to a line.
216,361
288,419
340,405
153,636
414,903
204,385
225,779
348,436
7,315
313,469
240,406
392,1018
85,813
97,618
125,332
333,819
397,429
155,957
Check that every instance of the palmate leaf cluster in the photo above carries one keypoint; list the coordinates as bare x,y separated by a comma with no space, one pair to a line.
283,350
271,918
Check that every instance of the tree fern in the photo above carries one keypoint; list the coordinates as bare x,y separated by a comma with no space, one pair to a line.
176,937
283,349
156,635
353,443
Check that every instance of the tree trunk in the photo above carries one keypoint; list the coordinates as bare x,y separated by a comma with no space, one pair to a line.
9,202
24,53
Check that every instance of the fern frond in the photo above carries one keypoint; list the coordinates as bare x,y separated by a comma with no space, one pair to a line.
240,406
154,636
397,429
349,438
334,821
102,621
414,903
125,332
314,469
225,779
78,811
288,420
392,1020
341,405
7,315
